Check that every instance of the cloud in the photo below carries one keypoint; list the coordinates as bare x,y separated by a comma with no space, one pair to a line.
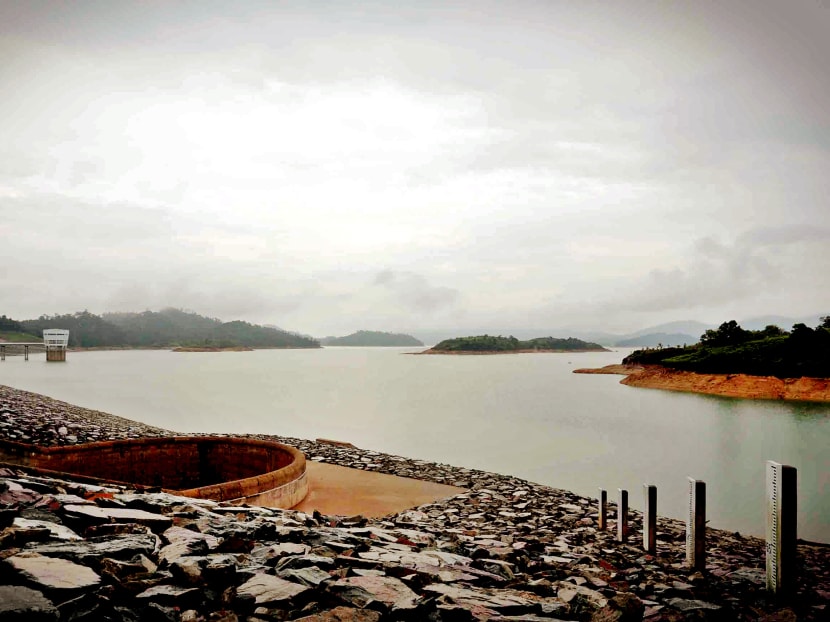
415,292
787,261
504,163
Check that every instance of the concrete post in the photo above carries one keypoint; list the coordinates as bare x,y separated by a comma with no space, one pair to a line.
25,353
622,515
782,511
2,353
696,525
650,518
602,520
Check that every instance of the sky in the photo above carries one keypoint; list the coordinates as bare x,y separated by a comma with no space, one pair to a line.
331,166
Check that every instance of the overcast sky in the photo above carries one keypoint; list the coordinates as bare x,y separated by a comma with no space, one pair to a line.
332,166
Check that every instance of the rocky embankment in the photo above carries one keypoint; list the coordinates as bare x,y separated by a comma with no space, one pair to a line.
506,549
39,420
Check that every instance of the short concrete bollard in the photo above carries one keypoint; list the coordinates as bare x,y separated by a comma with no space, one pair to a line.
650,518
696,525
782,511
602,519
622,515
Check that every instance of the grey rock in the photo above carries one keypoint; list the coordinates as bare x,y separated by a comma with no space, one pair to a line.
363,591
268,589
342,614
23,604
91,552
683,604
311,576
53,574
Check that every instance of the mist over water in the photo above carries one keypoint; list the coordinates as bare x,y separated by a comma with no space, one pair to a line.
525,415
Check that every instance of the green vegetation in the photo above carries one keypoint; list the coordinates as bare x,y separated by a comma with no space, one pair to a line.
165,328
374,339
488,343
6,336
10,330
730,349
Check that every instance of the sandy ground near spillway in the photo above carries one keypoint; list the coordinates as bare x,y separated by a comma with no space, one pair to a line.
340,490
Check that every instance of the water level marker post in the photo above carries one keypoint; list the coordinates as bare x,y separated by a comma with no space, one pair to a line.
782,511
622,515
602,518
650,518
696,525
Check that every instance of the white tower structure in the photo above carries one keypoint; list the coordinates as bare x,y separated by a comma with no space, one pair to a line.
55,340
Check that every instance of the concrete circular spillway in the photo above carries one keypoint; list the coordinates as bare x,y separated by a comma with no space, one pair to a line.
221,468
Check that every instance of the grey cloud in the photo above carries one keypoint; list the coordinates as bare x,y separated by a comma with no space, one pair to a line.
660,123
62,220
785,235
789,262
414,291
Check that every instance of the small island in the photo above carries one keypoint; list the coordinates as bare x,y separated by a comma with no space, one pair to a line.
488,344
212,349
730,361
374,339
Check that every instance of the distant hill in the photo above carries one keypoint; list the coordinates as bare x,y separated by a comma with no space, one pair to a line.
491,344
165,328
652,340
372,338
685,327
11,330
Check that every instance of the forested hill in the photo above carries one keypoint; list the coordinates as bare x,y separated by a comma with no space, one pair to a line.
11,330
489,343
165,328
730,349
373,338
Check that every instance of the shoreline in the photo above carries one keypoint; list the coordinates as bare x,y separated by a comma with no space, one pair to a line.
212,349
503,547
490,352
741,386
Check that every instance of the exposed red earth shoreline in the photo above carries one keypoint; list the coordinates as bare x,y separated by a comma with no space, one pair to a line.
728,385
488,352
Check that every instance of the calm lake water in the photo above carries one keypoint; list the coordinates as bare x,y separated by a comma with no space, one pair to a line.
525,415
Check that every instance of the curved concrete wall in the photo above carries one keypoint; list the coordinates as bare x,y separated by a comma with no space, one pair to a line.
225,469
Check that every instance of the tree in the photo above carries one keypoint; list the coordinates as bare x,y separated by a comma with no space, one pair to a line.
8,324
727,334
825,322
771,330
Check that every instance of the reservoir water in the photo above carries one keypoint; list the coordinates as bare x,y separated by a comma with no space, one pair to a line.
525,415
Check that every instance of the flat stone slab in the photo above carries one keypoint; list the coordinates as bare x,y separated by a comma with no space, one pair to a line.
343,614
23,603
94,513
267,589
53,573
118,547
361,591
469,597
56,530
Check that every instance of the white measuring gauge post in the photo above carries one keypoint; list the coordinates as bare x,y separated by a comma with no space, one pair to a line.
696,525
782,512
